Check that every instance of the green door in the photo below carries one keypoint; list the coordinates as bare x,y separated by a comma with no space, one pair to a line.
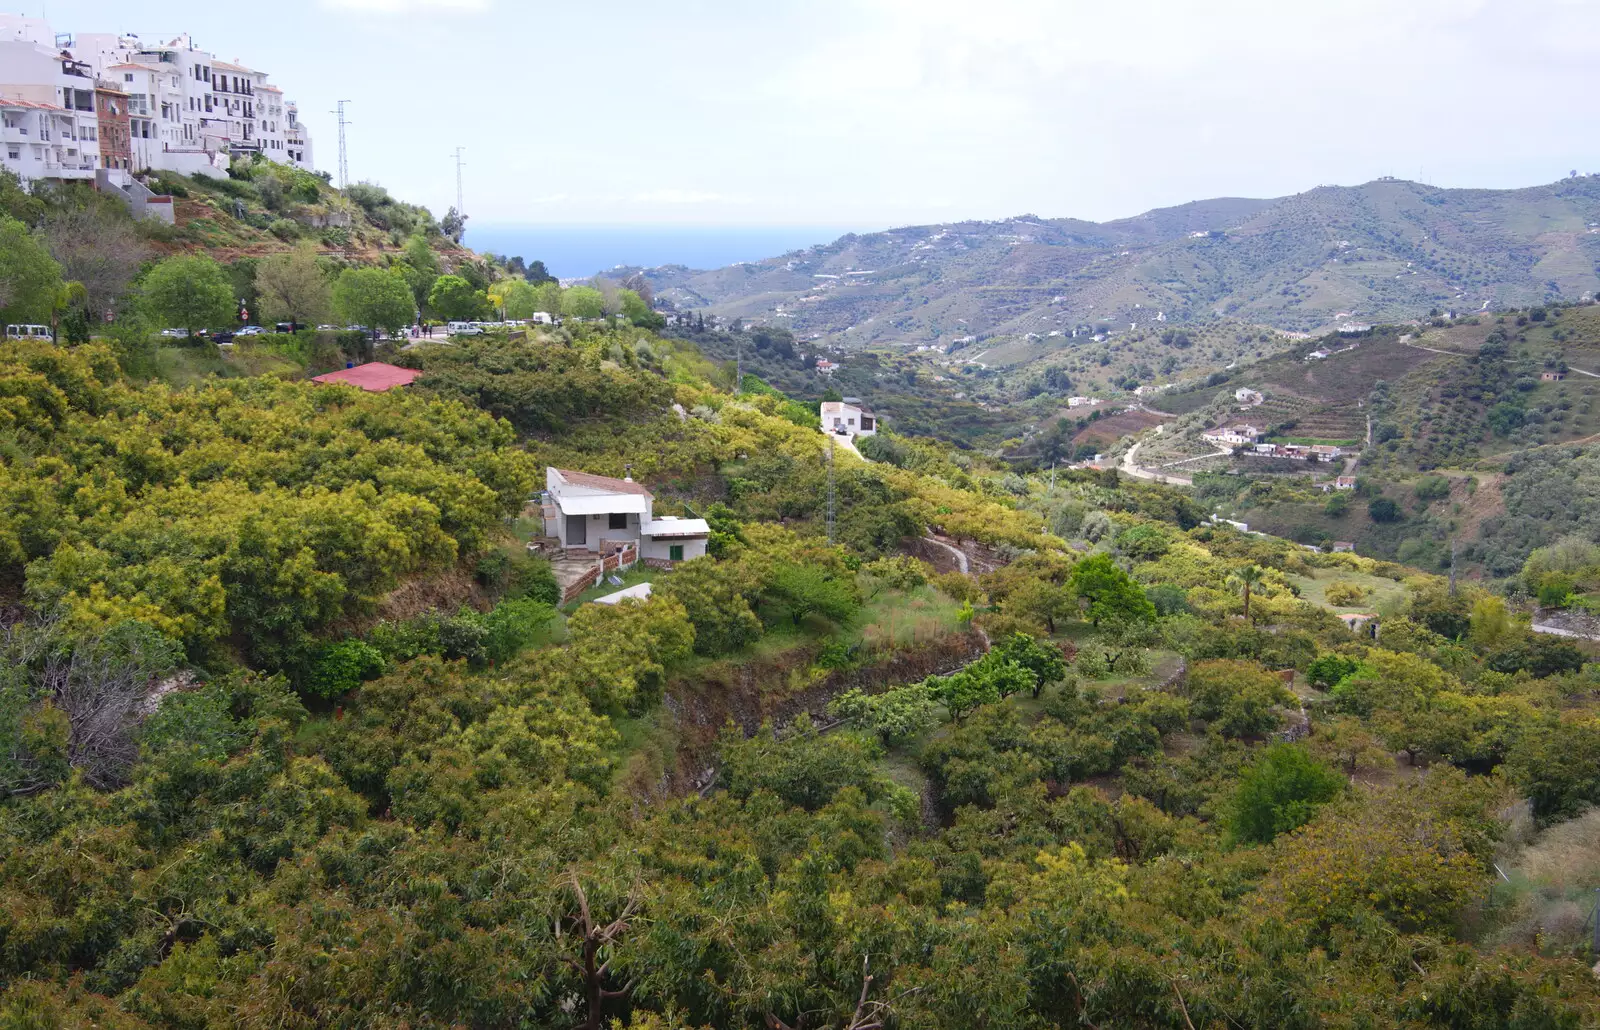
675,552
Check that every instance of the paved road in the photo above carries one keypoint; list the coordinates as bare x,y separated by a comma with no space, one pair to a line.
1131,466
848,443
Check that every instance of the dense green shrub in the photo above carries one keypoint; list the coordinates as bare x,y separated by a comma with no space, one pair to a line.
1279,792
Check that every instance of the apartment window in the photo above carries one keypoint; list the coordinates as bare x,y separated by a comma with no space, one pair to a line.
127,76
617,520
14,153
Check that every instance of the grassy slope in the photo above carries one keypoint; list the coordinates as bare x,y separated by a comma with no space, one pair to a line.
226,222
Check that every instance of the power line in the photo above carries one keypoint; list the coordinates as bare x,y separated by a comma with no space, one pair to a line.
344,157
461,207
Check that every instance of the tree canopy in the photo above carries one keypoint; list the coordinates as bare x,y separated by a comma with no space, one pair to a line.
192,293
374,298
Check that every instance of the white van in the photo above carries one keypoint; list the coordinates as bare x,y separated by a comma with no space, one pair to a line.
27,332
462,329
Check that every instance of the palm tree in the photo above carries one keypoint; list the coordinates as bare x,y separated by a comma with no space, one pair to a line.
1248,578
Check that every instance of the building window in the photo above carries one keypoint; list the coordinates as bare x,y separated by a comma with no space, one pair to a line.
14,153
617,520
675,552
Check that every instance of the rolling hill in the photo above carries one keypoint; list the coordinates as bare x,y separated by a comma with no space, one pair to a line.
1385,251
1482,431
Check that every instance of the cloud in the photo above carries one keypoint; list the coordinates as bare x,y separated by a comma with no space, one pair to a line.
675,196
409,6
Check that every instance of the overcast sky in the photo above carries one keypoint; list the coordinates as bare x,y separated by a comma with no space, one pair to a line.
886,112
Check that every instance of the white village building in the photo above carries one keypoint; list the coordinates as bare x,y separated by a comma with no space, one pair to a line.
848,418
602,515
1240,435
186,110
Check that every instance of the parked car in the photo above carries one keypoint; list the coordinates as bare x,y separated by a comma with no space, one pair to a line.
463,329
327,328
222,336
175,334
250,330
287,327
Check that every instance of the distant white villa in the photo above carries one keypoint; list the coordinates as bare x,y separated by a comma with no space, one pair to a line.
848,419
1232,436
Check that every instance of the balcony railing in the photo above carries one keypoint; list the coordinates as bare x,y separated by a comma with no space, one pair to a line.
69,170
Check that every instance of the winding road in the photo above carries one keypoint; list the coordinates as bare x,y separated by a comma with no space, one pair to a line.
960,555
1130,465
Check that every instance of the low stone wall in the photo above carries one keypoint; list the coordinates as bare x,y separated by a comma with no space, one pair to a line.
1564,622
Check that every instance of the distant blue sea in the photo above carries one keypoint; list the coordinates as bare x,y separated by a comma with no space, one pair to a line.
573,251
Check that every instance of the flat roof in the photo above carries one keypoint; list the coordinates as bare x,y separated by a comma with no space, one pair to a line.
671,525
637,592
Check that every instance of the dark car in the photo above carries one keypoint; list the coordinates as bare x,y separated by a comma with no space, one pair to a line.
287,327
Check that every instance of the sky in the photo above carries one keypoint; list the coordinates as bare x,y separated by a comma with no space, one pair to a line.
890,112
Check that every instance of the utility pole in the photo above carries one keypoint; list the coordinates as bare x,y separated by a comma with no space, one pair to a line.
830,486
461,208
344,157
738,368
1596,917
1452,566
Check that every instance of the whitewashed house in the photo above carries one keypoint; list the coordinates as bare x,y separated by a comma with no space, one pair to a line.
603,515
848,419
1241,435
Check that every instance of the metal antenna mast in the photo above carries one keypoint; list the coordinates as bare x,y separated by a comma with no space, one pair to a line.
830,488
461,208
344,158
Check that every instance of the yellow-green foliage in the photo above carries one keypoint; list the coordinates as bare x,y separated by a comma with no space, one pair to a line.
254,508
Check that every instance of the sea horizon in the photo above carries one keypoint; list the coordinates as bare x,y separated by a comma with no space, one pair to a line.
578,251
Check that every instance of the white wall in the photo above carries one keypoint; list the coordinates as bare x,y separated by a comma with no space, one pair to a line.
693,547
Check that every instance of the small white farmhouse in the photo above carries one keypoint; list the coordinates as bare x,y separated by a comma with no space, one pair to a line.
603,515
848,419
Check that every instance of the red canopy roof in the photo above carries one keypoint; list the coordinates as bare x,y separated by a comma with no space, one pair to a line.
374,376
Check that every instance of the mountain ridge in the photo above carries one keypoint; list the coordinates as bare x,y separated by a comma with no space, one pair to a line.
1387,250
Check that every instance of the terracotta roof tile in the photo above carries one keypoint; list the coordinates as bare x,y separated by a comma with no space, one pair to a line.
604,483
374,376
30,104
